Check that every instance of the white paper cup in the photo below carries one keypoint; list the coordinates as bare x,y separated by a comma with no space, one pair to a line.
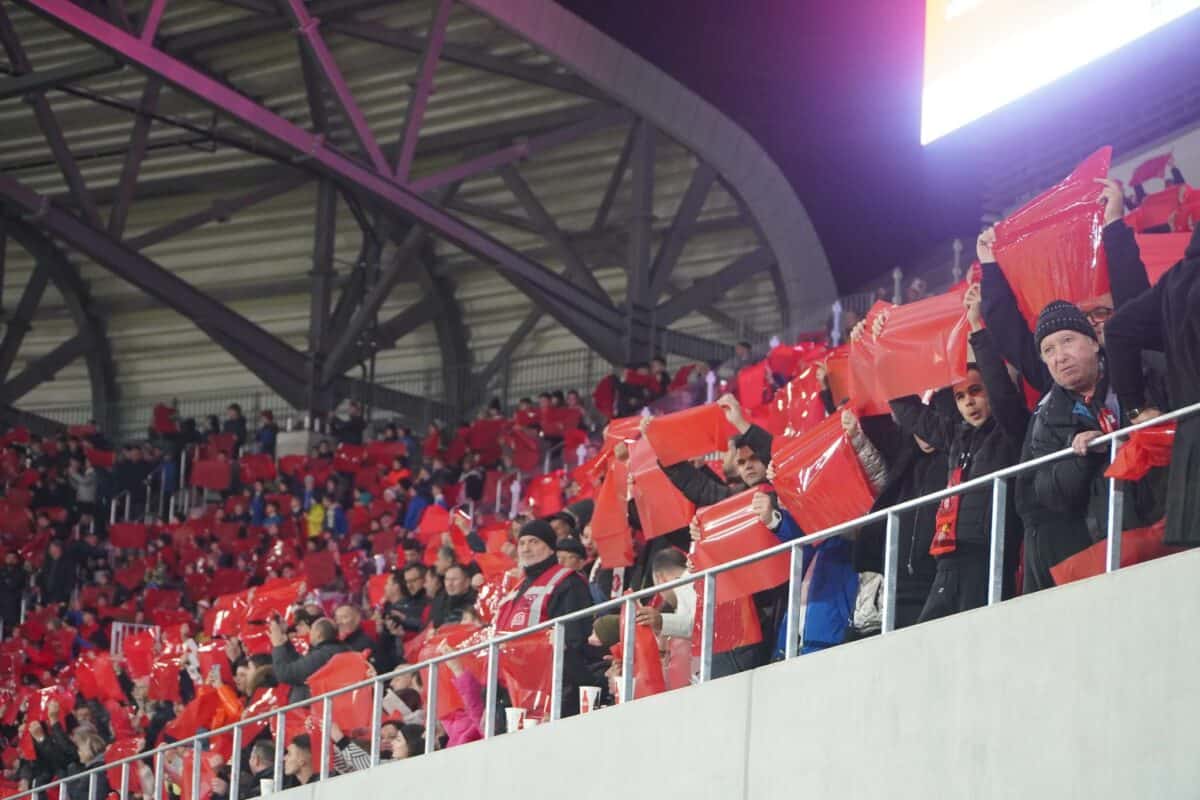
529,722
513,717
266,786
588,697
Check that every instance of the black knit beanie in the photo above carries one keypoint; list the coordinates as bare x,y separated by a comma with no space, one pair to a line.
1059,315
541,529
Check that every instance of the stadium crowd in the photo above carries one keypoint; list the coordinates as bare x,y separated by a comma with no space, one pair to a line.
295,575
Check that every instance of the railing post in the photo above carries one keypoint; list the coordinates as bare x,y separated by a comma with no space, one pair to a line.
128,504
197,754
431,703
629,637
558,643
280,744
112,510
235,763
158,774
1116,513
125,781
891,566
999,525
377,721
795,584
708,614
491,688
326,724
94,787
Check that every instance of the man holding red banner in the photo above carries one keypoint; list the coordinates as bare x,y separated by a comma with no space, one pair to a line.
549,590
294,669
1064,504
986,436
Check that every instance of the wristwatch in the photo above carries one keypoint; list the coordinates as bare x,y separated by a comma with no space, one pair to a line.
776,520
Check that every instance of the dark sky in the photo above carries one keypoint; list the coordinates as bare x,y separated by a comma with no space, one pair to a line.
831,90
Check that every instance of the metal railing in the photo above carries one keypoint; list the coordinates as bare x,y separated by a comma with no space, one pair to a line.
627,604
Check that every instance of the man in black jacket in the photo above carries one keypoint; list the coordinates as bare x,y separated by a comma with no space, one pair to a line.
985,437
456,597
752,455
13,580
1065,503
294,669
349,624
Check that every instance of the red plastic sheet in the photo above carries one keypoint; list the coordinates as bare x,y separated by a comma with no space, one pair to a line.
227,615
435,520
375,588
556,421
819,479
382,454
492,564
211,474
138,652
97,680
1161,251
1153,167
207,776
293,466
1142,544
164,680
275,597
753,383
648,677
661,507
797,405
212,655
1159,208
610,519
735,624
525,670
261,702
729,530
123,748
1145,450
1049,248
351,710
544,494
160,599
923,346
690,433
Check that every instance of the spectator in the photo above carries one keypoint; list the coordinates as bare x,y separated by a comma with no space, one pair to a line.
297,762
235,424
348,755
89,755
267,433
571,553
84,483
662,378
260,766
669,565
414,609
58,577
1165,318
13,580
351,429
985,435
548,590
349,625
917,290
456,597
1064,504
294,669
463,725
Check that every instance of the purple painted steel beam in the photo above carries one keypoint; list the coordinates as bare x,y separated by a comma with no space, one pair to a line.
119,213
614,182
22,318
689,209
307,26
3,254
221,209
562,300
153,18
48,123
414,114
705,291
44,369
227,33
522,149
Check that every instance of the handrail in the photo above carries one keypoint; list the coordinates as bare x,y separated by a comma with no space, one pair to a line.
997,479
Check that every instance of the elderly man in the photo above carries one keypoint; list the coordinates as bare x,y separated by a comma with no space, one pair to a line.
549,590
456,596
349,624
294,669
1064,504
571,554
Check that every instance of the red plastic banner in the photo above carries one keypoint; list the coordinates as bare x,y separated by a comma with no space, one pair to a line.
735,624
351,710
1161,251
819,478
1142,544
610,519
1145,450
138,651
690,433
661,507
797,405
923,346
729,530
1049,248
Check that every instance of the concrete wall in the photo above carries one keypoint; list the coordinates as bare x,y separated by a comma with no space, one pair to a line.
1088,691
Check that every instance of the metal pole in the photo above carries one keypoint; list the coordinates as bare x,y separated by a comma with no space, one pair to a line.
128,504
146,512
891,566
196,756
112,510
431,703
795,584
326,724
280,744
999,523
558,643
158,775
183,479
94,786
491,689
235,764
376,720
628,636
1116,512
707,615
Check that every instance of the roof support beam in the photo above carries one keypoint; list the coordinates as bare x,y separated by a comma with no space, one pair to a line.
681,228
414,113
614,182
43,369
119,213
45,79
505,353
641,223
324,236
22,319
706,291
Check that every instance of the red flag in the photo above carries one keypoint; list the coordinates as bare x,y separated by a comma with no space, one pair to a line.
138,652
195,715
435,520
1153,167
752,385
647,663
544,494
274,598
212,658
207,776
690,433
375,589
1049,248
261,702
101,682
256,467
1161,251
525,669
227,615
610,519
164,680
123,748
491,564
923,346
730,530
819,478
351,710
661,507
1145,450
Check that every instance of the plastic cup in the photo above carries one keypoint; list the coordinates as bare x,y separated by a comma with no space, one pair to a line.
529,722
266,786
513,717
588,697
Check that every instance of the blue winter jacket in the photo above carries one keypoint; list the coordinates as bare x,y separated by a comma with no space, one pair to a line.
832,589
